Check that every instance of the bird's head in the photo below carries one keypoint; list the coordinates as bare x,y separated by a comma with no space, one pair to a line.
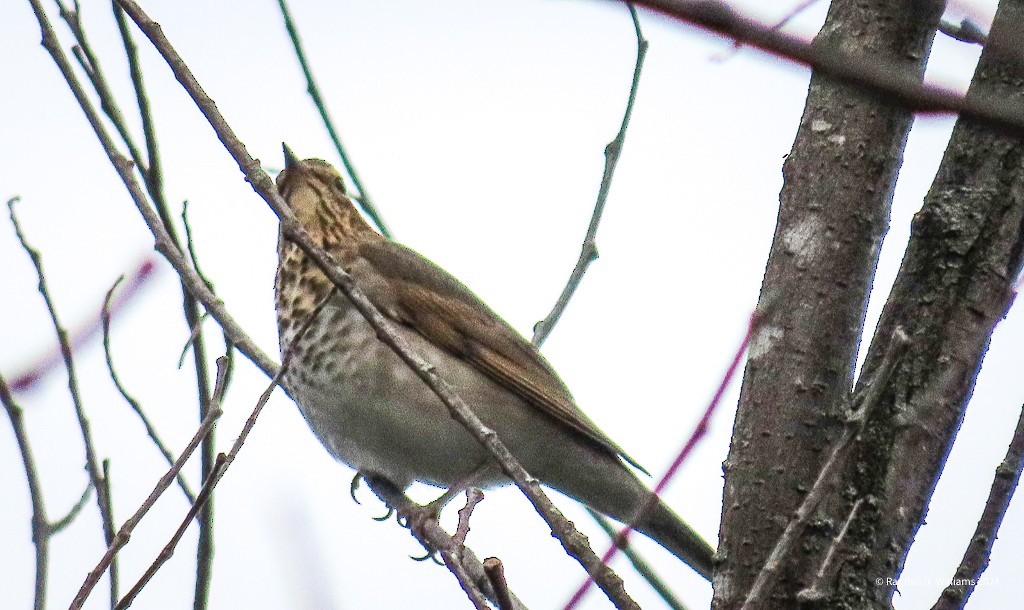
315,192
309,187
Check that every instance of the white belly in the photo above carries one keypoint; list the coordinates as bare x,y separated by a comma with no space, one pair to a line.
374,414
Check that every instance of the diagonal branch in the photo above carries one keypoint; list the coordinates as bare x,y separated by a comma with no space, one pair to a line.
125,532
976,557
757,596
163,242
223,461
901,88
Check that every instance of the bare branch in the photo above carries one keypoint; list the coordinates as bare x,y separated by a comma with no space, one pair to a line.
223,461
91,66
91,463
639,563
976,557
125,532
473,497
40,526
837,460
453,561
588,254
163,241
152,174
965,31
132,402
364,199
901,88
816,593
434,537
73,512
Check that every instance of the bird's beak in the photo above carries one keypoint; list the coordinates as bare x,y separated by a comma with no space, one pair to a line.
290,160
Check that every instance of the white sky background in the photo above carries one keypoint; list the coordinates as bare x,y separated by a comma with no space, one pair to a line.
479,129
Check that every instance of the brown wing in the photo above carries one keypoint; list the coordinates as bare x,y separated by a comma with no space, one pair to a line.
427,298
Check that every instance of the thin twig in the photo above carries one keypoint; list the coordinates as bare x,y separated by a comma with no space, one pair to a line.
192,336
229,352
152,175
42,529
162,241
84,332
900,87
473,497
793,13
72,514
698,434
453,561
168,550
781,23
364,200
572,541
106,492
587,255
588,252
833,466
91,66
132,402
40,526
816,593
124,534
639,563
91,462
213,412
978,552
222,461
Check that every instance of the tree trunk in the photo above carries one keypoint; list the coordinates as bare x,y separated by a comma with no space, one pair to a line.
839,180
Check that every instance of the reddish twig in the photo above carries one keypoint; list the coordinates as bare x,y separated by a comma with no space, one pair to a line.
85,332
698,434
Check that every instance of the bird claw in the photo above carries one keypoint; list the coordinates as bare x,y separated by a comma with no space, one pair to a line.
431,554
354,486
416,518
356,480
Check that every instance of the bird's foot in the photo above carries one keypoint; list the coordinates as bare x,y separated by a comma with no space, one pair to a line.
418,518
354,485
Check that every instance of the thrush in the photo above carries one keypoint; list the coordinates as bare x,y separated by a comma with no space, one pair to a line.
372,412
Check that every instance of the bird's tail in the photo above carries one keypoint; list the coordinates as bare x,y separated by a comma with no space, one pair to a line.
613,489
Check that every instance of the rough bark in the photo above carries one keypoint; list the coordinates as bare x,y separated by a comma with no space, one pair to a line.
954,286
834,212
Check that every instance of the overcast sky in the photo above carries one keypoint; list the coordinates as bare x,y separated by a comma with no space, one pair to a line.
479,129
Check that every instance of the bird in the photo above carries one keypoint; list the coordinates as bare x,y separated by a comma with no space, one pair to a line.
373,413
